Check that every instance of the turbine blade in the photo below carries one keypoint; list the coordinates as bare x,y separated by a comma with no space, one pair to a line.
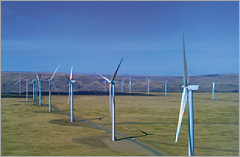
55,87
54,72
17,82
37,76
105,78
115,74
71,73
181,112
148,80
68,78
185,75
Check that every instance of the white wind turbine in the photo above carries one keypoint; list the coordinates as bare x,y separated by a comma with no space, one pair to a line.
166,86
49,81
20,84
33,83
39,86
71,81
122,84
26,90
111,96
130,84
213,91
148,85
187,88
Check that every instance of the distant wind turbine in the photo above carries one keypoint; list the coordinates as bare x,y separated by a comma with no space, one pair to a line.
26,90
130,85
122,84
213,91
49,81
148,85
166,86
39,86
111,95
33,83
20,84
71,81
187,88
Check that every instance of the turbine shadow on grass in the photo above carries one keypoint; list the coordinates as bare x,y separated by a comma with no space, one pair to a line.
132,137
100,118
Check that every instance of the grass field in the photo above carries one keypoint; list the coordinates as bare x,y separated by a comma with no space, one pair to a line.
28,129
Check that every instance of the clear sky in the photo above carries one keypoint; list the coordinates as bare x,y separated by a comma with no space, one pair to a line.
94,36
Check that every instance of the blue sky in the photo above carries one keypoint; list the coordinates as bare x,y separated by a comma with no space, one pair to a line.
94,36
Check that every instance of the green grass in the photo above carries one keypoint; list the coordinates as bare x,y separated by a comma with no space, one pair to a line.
26,132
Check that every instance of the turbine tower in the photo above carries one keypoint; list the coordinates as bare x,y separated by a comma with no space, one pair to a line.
213,91
130,85
122,84
49,82
39,86
148,85
71,81
33,83
187,88
26,90
20,84
111,96
166,87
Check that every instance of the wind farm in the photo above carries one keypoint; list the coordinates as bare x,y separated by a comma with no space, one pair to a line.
92,111
124,81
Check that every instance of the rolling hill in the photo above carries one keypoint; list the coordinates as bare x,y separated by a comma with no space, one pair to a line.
94,83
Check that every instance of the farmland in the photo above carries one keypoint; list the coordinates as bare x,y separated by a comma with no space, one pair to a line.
28,129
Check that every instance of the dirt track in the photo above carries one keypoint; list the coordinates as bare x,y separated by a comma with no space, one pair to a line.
124,145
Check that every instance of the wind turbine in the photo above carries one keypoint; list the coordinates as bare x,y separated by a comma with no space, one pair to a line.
187,88
71,81
111,96
33,83
26,90
130,85
39,86
166,87
213,91
148,85
49,81
20,84
122,84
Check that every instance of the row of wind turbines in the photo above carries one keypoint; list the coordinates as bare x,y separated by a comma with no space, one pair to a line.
187,94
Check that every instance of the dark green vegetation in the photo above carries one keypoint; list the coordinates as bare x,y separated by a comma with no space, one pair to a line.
224,83
28,129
